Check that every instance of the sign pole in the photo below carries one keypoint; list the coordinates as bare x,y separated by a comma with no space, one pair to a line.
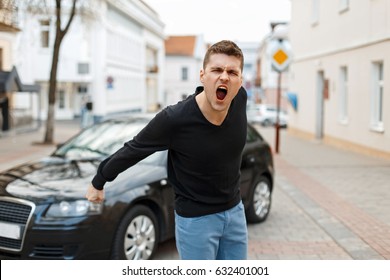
280,59
277,126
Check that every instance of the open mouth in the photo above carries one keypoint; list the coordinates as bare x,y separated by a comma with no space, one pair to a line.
221,93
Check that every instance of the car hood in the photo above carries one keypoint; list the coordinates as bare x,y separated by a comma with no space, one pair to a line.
58,178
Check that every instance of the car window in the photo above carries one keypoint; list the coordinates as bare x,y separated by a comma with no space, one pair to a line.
104,139
100,140
252,135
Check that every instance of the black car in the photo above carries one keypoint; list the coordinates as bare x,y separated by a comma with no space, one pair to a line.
44,213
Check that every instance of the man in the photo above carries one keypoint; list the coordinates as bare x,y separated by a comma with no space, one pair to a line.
204,135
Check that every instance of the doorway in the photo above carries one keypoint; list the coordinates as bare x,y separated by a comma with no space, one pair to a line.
320,105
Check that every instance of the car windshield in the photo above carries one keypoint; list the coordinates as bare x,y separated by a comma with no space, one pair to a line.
100,140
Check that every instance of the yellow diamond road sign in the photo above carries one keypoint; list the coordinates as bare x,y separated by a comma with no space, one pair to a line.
280,57
280,54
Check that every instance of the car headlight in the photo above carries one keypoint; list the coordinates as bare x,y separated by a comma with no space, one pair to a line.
75,208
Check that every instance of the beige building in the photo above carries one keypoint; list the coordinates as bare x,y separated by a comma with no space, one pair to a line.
341,72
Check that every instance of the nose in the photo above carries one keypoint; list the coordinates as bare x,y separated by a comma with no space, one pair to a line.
224,75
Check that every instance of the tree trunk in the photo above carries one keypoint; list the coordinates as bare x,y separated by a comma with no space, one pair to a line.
49,134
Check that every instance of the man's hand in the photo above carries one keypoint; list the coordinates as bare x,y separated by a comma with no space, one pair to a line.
94,195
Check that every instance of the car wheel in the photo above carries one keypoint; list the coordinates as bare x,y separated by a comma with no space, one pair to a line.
259,201
137,235
266,122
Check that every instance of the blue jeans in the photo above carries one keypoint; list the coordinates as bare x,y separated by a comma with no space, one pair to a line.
220,236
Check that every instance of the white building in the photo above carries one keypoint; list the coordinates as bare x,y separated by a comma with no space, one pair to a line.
184,58
341,72
249,50
12,86
113,52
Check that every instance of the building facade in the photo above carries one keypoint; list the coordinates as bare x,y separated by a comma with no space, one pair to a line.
341,72
12,87
113,54
250,49
183,60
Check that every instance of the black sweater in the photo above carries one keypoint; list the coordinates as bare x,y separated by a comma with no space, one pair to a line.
203,159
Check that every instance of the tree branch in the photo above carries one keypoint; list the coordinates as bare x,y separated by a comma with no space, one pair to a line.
60,31
72,13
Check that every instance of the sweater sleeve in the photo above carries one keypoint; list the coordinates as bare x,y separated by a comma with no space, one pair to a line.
155,136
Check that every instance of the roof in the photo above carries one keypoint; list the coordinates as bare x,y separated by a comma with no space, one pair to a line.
10,81
180,45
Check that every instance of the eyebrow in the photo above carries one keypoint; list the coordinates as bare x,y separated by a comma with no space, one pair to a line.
228,69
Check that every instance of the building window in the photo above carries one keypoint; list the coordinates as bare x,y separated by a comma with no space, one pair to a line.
82,89
45,33
61,99
315,11
377,97
343,5
151,60
83,68
343,113
184,73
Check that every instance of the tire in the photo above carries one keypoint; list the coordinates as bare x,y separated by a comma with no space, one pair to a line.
266,123
259,201
137,235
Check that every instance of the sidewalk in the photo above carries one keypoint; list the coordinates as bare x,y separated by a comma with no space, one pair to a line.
19,147
327,203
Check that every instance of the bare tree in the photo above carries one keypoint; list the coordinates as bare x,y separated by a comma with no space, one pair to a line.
60,34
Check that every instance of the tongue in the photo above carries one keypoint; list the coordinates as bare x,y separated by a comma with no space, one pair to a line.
221,94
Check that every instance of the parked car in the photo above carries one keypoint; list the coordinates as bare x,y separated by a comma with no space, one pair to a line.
44,213
265,115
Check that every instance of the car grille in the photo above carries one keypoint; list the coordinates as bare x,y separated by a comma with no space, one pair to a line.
14,217
49,252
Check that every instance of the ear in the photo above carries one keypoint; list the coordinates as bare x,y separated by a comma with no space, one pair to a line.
201,74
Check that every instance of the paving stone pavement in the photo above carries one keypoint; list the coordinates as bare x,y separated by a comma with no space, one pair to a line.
328,203
344,194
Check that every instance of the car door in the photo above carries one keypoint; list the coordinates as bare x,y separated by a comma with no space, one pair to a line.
249,160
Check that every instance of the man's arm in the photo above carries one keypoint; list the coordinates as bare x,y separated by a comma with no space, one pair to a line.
155,136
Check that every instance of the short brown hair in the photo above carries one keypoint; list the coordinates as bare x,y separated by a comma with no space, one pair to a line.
224,47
